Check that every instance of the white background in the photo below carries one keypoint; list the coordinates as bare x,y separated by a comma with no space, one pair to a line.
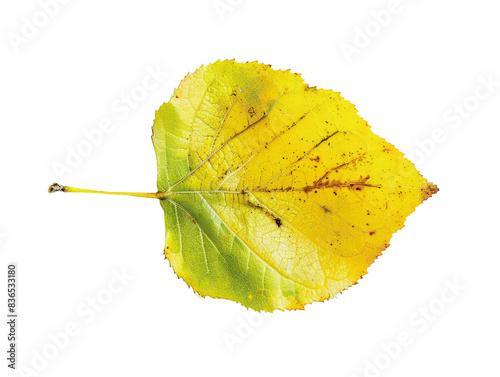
427,58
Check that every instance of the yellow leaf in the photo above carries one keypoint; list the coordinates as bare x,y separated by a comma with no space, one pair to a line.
276,194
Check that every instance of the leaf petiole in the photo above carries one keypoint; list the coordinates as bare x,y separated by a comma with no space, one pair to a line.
57,187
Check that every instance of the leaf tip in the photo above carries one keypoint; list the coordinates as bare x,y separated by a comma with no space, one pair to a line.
430,190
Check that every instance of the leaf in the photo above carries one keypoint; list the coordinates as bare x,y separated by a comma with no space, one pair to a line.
276,194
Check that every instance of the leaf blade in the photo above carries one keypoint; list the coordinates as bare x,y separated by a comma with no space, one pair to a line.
290,176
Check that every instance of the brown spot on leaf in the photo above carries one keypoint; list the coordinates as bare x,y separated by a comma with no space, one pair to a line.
264,210
324,182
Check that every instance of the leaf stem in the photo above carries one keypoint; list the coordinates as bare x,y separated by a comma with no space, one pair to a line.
57,187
